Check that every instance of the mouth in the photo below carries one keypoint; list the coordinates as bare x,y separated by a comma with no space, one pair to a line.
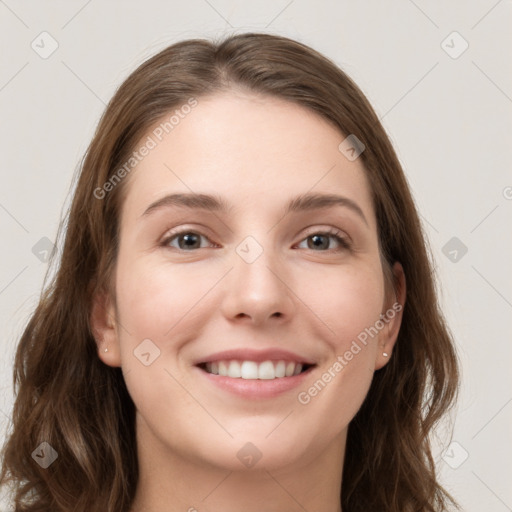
255,374
253,370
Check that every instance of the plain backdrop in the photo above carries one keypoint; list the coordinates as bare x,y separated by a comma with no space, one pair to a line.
438,74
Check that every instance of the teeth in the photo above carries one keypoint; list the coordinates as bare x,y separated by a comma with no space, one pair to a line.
234,370
290,367
267,370
223,368
249,370
280,369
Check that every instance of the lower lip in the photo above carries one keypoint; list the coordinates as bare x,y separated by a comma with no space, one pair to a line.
256,388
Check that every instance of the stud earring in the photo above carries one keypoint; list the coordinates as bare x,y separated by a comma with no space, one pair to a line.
385,354
106,350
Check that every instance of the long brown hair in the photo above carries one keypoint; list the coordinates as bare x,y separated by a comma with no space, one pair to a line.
67,397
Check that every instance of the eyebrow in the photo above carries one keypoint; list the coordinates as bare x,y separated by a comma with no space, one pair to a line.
304,202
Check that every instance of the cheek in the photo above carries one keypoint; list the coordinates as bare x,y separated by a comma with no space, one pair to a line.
347,300
349,303
155,304
156,301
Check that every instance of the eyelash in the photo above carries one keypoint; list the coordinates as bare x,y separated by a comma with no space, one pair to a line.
333,233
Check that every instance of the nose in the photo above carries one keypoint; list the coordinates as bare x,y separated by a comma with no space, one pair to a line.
257,292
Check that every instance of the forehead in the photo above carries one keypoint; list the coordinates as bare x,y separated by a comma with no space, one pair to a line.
253,150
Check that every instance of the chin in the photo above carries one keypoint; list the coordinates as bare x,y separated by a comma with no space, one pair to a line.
253,451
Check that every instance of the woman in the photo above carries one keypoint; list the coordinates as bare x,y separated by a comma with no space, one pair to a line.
244,316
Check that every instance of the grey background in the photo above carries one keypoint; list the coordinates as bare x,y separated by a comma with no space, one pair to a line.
447,111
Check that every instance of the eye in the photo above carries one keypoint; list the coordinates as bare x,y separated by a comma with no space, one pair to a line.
320,242
187,240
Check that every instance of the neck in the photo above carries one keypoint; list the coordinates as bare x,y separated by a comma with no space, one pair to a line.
170,482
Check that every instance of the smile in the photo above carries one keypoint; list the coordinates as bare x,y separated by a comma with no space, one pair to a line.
250,370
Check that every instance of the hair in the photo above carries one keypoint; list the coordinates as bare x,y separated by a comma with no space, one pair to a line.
67,397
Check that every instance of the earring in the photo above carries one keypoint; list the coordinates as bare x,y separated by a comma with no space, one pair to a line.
106,350
385,354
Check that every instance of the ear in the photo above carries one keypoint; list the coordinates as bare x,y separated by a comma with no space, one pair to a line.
391,318
104,329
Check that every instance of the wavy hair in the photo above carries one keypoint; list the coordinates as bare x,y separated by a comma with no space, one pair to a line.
67,397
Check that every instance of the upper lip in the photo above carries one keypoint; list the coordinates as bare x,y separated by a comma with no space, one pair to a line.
257,356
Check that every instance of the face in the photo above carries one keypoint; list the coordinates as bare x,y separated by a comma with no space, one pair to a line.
253,315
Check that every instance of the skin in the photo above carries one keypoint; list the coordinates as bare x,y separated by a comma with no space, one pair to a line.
257,153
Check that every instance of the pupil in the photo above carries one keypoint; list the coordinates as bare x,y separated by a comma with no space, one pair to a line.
316,238
190,237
